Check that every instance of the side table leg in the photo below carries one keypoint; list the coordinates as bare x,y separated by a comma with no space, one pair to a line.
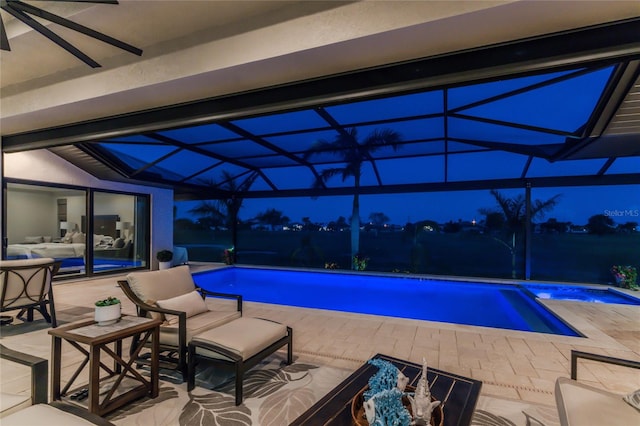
94,379
155,362
56,352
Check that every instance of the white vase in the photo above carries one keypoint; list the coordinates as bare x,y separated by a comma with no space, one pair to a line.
106,315
164,265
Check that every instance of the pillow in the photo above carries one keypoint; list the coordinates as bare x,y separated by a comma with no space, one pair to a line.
67,237
633,399
33,240
78,237
47,239
118,243
191,303
152,314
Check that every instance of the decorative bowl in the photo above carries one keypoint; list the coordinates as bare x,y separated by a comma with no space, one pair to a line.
359,418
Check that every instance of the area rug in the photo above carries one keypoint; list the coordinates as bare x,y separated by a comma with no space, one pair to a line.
275,394
491,411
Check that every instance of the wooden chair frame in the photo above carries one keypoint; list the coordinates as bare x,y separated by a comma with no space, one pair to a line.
168,358
42,297
40,382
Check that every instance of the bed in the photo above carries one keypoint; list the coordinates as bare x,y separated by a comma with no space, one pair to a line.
54,250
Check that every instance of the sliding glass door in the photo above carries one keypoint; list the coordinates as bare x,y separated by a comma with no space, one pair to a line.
87,230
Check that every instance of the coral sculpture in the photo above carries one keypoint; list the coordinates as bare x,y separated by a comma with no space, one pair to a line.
385,408
421,403
387,377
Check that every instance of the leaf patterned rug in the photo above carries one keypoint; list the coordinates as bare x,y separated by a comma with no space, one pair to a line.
275,394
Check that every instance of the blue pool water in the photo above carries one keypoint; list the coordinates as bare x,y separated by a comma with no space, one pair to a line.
489,305
581,294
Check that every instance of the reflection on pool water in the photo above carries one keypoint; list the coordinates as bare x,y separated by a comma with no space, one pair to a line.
490,305
581,294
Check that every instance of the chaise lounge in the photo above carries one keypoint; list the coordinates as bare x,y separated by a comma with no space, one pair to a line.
185,310
195,329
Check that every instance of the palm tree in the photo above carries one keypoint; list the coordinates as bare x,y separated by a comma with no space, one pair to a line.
353,153
514,212
272,217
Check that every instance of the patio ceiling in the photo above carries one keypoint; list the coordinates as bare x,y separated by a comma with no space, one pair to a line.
553,110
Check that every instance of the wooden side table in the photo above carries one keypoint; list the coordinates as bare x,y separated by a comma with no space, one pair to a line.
122,383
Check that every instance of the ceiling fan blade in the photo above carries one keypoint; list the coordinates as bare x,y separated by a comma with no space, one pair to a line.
75,26
4,41
18,14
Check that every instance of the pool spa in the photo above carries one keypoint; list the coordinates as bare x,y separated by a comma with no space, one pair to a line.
504,306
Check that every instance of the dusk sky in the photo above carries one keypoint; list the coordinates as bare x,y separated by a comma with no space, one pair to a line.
575,205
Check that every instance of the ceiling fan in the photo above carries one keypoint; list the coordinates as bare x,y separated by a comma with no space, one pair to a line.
22,12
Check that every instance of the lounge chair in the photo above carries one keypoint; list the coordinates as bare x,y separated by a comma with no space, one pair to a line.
186,310
25,285
580,404
33,409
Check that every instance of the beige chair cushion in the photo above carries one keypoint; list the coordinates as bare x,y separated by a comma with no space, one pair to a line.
10,403
580,404
191,303
195,325
43,414
243,336
16,278
162,285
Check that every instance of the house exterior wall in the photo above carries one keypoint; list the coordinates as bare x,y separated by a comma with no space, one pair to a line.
44,166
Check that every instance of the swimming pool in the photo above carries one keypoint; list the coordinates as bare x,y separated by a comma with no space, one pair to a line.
490,305
581,294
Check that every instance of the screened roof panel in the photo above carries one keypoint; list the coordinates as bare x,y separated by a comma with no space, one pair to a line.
132,139
463,147
488,130
625,165
429,102
302,141
185,163
216,176
477,130
541,168
199,134
270,161
417,169
284,122
411,149
464,95
409,130
138,155
237,149
566,113
290,178
464,167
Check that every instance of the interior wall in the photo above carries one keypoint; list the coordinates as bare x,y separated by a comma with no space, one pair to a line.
30,215
43,166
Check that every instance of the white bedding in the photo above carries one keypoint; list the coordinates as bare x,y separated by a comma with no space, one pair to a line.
54,250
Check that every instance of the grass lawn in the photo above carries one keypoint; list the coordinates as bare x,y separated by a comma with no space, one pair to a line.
554,257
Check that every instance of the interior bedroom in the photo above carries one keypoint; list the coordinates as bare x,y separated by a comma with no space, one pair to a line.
52,222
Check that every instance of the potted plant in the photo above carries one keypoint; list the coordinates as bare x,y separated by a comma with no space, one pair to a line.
164,258
625,276
229,256
107,311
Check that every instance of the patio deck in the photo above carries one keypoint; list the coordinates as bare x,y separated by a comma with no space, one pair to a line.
511,364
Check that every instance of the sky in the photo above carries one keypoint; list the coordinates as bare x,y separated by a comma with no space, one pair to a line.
575,205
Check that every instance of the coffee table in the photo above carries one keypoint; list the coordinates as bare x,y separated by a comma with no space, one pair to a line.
458,394
122,383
